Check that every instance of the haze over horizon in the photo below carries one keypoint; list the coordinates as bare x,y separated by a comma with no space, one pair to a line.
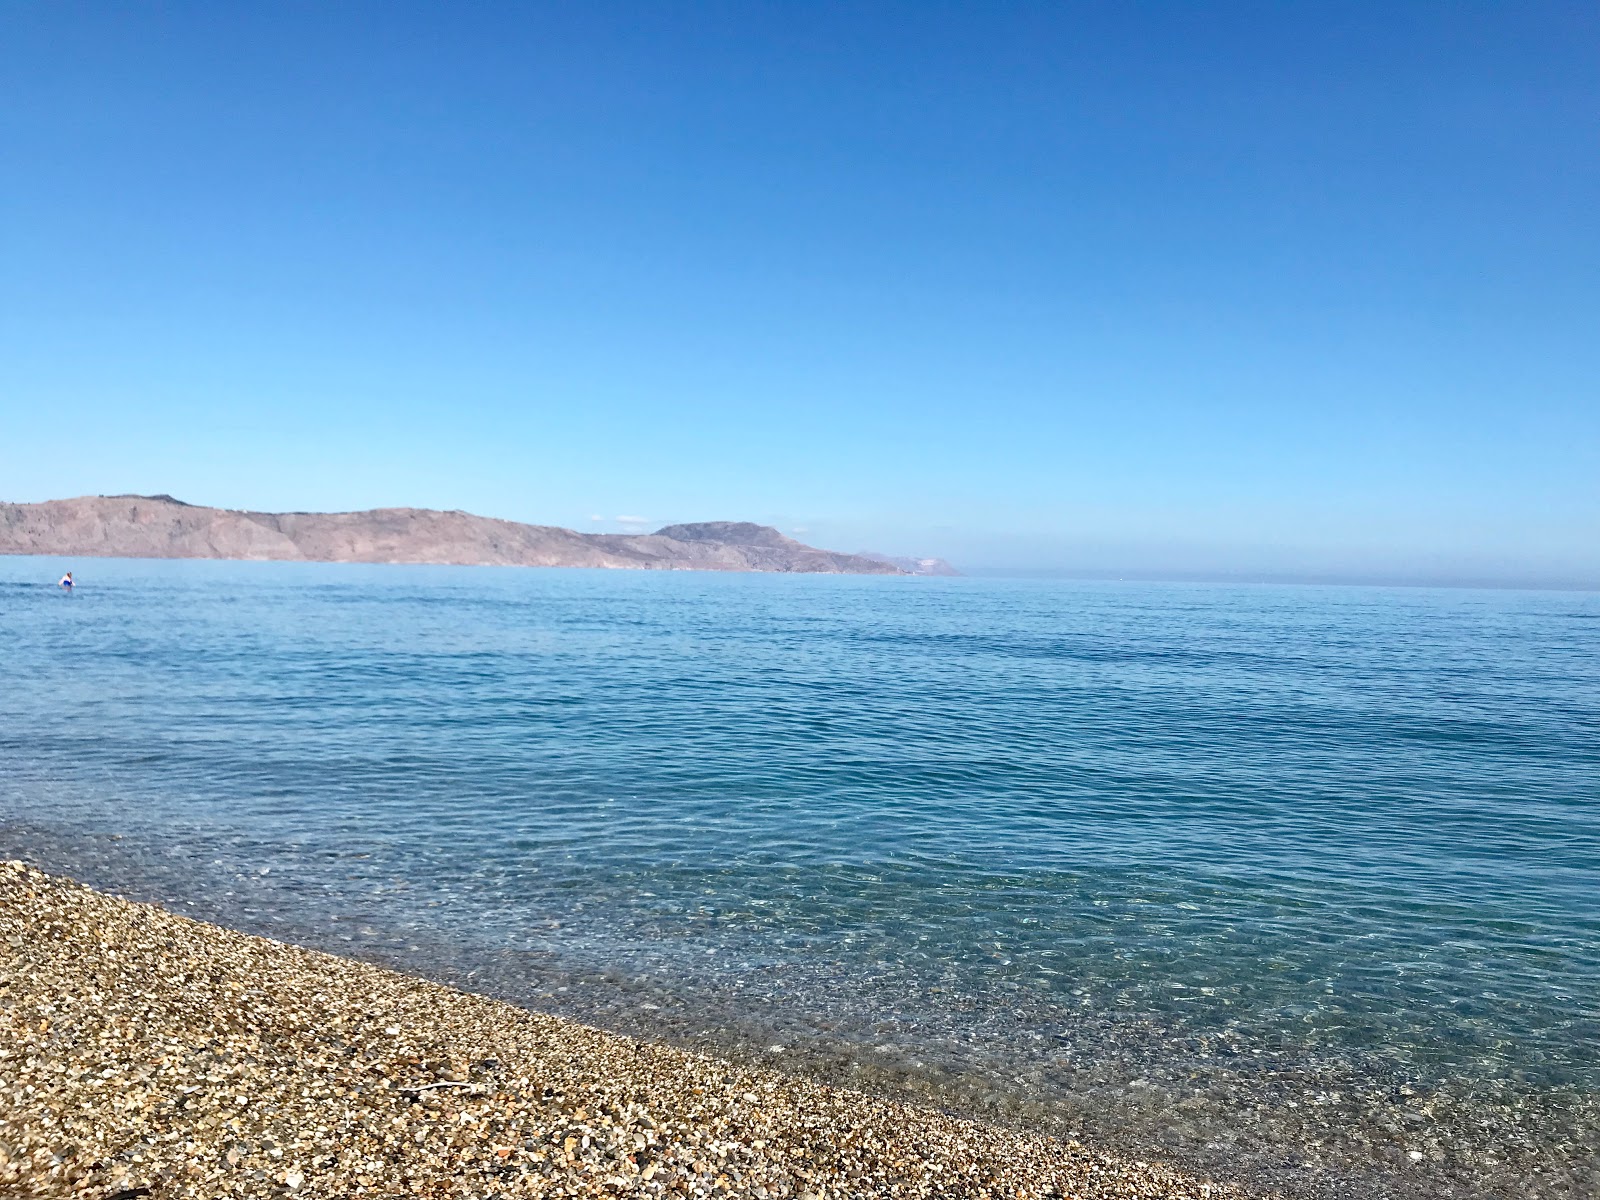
1290,291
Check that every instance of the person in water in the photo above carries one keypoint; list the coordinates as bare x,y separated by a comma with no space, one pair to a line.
66,582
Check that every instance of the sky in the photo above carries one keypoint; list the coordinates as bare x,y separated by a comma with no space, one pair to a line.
1237,289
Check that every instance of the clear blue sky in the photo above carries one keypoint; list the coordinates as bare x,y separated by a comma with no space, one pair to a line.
1282,287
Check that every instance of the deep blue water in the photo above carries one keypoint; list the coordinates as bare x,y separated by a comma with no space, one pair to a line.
1051,845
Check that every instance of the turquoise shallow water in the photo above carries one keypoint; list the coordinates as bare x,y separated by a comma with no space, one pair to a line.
1302,882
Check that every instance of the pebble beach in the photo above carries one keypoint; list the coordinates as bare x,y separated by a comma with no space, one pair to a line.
146,1054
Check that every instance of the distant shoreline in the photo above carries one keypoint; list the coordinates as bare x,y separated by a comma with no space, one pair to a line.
163,527
1269,579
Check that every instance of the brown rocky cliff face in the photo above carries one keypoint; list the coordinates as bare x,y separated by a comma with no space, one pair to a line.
161,527
733,533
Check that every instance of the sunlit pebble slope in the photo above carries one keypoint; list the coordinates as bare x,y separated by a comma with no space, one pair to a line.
142,1050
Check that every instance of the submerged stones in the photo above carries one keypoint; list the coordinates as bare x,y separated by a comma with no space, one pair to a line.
145,1053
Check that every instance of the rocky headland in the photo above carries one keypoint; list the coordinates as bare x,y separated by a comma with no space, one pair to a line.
162,527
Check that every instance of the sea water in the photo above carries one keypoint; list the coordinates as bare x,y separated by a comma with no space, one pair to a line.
1299,885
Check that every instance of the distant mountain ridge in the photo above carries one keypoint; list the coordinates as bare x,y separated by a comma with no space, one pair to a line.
132,526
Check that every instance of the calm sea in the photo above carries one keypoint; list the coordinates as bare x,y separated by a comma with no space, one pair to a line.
1296,883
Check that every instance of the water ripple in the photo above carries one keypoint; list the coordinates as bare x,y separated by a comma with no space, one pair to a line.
1286,851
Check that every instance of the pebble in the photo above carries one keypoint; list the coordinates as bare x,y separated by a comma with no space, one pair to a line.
144,1053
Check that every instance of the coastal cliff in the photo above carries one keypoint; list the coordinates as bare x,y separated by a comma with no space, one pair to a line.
162,527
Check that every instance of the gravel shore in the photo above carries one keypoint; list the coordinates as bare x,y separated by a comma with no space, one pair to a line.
145,1054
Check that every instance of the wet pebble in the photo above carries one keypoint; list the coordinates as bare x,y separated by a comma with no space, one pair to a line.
145,1053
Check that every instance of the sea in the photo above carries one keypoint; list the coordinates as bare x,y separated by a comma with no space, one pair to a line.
1294,885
